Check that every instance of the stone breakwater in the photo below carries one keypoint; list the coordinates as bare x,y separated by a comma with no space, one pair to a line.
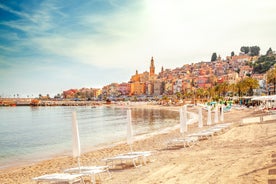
29,102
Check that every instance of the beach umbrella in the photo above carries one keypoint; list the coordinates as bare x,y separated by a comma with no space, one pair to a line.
216,120
75,137
129,129
209,119
183,119
200,122
221,114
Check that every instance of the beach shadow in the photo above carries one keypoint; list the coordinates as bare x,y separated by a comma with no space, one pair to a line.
122,167
271,181
256,170
272,172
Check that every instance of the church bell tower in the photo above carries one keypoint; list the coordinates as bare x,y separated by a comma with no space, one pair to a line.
152,68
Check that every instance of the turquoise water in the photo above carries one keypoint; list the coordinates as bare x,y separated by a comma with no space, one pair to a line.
30,134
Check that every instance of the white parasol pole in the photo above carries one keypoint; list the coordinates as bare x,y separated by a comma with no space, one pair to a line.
222,113
209,119
75,137
216,120
200,122
185,118
129,130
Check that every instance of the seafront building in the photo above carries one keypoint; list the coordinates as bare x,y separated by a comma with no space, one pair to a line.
184,80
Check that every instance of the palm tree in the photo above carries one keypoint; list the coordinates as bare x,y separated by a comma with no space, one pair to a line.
223,88
241,88
178,95
232,89
271,77
211,92
199,92
251,84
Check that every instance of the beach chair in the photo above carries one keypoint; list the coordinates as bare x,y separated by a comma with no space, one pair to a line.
179,142
59,177
90,171
205,134
143,154
123,159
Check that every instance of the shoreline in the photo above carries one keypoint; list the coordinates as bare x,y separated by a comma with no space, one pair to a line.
154,142
25,163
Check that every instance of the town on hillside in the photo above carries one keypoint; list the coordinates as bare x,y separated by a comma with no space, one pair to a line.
245,74
236,75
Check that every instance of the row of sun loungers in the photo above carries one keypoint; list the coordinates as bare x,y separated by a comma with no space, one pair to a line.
211,131
77,174
191,139
73,175
137,159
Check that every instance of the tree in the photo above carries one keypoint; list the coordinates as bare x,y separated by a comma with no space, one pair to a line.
232,89
263,64
271,77
241,88
254,51
250,84
245,49
214,57
199,92
222,89
179,95
269,52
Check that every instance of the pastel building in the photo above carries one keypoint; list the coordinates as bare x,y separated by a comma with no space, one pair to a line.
124,88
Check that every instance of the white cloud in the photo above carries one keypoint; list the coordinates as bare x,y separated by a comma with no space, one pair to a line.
173,32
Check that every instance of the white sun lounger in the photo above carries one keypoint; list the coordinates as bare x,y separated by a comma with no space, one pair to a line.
202,134
111,161
187,141
143,154
211,131
59,177
90,171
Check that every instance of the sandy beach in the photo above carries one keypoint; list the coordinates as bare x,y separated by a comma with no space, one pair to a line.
242,154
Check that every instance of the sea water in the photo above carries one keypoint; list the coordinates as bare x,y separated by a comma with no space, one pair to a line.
31,134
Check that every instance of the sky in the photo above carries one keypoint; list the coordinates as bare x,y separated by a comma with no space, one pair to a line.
49,46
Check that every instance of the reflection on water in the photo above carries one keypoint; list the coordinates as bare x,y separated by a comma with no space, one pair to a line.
33,133
147,120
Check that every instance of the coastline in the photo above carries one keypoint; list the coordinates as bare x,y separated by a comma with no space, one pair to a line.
156,142
19,160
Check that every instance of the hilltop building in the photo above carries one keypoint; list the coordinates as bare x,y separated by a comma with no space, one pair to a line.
143,84
184,80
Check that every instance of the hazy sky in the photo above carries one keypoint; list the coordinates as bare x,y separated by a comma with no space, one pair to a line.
48,46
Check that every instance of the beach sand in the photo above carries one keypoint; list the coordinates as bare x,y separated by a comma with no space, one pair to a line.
242,154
